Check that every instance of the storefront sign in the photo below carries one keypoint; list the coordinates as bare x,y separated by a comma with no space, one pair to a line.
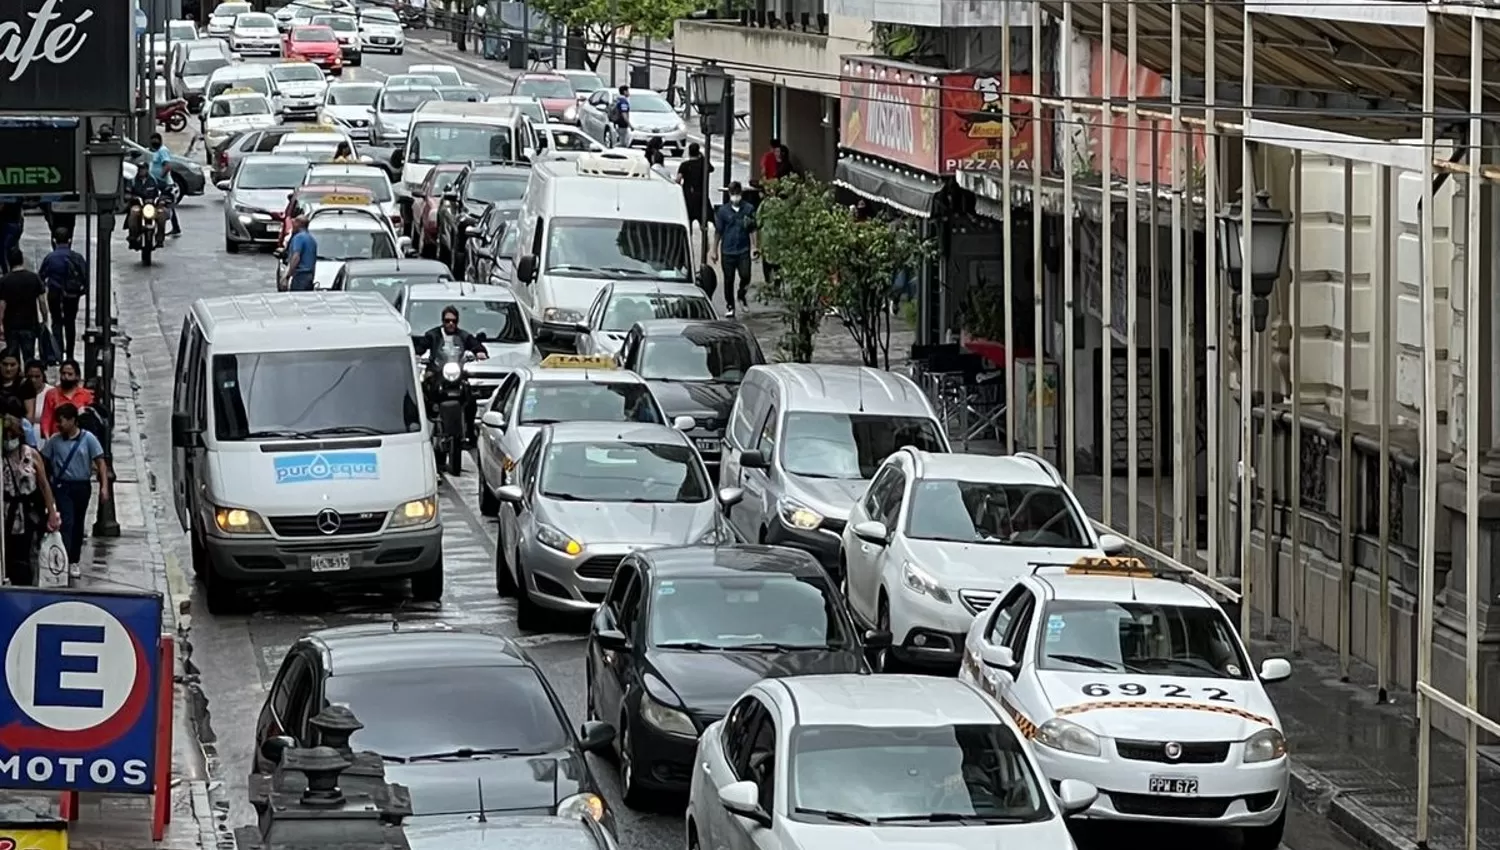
890,111
35,838
1150,133
975,125
38,160
51,56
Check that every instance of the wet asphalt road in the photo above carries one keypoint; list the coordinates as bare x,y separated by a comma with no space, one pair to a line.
238,656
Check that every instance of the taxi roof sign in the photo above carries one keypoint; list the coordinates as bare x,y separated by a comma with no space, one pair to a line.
1111,566
579,361
346,200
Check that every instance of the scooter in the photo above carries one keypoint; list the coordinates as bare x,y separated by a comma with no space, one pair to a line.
449,398
173,115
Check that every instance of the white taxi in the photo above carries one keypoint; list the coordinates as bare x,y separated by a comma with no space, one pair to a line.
236,111
1137,683
370,177
348,232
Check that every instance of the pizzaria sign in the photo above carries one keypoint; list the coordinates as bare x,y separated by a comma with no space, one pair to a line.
64,57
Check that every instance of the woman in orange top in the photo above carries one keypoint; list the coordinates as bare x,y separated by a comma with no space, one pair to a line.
69,390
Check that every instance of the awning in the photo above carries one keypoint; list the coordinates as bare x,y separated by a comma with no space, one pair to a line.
1088,199
883,184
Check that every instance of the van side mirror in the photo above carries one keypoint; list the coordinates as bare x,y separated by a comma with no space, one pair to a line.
754,459
183,435
526,269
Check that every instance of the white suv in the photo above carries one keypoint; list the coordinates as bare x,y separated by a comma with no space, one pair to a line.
937,537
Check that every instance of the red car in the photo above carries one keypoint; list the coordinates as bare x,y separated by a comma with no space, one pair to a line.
424,207
555,93
317,45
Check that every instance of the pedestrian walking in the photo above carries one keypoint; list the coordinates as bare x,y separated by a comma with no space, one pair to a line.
74,457
13,384
301,258
23,304
69,392
12,223
29,504
692,176
66,274
736,244
36,376
619,118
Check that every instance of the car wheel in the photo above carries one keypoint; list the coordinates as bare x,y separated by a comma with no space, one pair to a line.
692,837
489,504
884,662
530,617
198,553
231,246
630,787
505,582
221,594
1264,837
427,586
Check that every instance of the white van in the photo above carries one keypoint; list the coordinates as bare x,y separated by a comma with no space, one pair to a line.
300,445
597,219
444,131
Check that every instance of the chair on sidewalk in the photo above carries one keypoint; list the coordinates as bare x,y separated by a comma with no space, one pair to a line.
969,401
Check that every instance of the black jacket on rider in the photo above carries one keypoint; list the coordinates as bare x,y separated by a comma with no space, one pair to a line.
432,342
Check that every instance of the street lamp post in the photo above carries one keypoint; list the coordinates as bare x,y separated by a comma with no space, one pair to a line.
105,160
1268,238
712,94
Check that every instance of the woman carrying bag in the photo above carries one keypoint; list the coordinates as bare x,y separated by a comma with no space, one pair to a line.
29,508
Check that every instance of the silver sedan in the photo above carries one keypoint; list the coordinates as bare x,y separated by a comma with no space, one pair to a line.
587,495
650,117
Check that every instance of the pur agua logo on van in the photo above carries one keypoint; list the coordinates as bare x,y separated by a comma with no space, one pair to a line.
333,466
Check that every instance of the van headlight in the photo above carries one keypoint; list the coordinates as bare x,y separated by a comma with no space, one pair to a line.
239,521
554,539
667,719
415,512
1068,737
1265,745
798,516
580,806
918,580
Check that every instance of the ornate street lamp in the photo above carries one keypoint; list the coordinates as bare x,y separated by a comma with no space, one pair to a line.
1269,229
708,84
106,172
711,91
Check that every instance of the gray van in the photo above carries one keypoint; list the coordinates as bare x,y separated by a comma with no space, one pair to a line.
803,441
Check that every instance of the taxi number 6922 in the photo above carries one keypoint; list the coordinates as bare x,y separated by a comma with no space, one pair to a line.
1135,689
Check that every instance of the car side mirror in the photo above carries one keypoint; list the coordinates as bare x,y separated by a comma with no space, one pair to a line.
273,747
509,493
222,185
998,657
878,640
183,435
684,423
613,640
403,243
872,532
731,496
1275,670
1111,544
493,418
754,459
528,152
1075,796
743,799
526,269
594,736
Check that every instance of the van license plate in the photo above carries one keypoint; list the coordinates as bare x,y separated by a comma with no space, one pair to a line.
331,563
707,445
1182,786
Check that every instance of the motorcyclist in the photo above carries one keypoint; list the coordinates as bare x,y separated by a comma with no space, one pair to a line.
143,189
446,343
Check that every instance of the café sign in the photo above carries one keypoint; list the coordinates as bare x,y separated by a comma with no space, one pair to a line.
51,53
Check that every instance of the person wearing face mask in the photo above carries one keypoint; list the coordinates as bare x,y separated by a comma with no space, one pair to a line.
69,390
74,457
36,377
736,241
161,172
29,506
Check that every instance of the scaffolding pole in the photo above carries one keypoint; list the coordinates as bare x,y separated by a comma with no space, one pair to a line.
1428,470
1296,570
1069,385
1183,354
1246,356
1107,273
1008,203
1212,313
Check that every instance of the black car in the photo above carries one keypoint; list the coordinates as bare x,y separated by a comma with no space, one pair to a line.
474,189
508,833
683,631
449,711
485,239
389,277
694,368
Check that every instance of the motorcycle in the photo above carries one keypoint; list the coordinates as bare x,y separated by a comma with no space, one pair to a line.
173,115
449,398
147,221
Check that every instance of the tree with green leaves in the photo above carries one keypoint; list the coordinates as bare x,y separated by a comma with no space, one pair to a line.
595,21
875,252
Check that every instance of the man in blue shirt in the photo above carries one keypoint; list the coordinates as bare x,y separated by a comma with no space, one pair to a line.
160,167
301,258
619,117
66,274
737,243
74,457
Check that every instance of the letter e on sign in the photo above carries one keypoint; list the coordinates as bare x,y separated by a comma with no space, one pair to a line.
70,666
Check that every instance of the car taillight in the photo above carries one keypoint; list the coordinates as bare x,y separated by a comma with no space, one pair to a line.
223,159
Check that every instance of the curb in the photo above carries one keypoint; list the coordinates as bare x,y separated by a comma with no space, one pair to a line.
1316,791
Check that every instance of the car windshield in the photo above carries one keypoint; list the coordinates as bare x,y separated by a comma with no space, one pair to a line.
747,608
341,244
461,93
851,445
305,394
491,189
226,107
181,31
499,321
650,473
648,103
405,101
614,248
389,286
508,241
271,175
444,76
379,16
256,84
699,353
356,95
545,88
584,401
337,24
1141,638
301,72
202,66
413,80
378,185
401,720
993,513
442,179
311,153
313,35
231,10
584,83
444,142
911,774
627,308
255,22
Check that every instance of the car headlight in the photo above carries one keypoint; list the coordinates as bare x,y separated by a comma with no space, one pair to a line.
582,806
1265,745
798,516
668,720
239,521
415,512
570,114
1068,737
921,582
561,314
554,539
148,211
716,536
452,371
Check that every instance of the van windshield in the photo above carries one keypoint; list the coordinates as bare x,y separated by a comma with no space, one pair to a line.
444,142
852,446
306,394
653,250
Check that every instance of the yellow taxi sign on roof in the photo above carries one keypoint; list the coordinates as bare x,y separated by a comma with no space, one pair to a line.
1111,566
240,90
345,200
578,361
